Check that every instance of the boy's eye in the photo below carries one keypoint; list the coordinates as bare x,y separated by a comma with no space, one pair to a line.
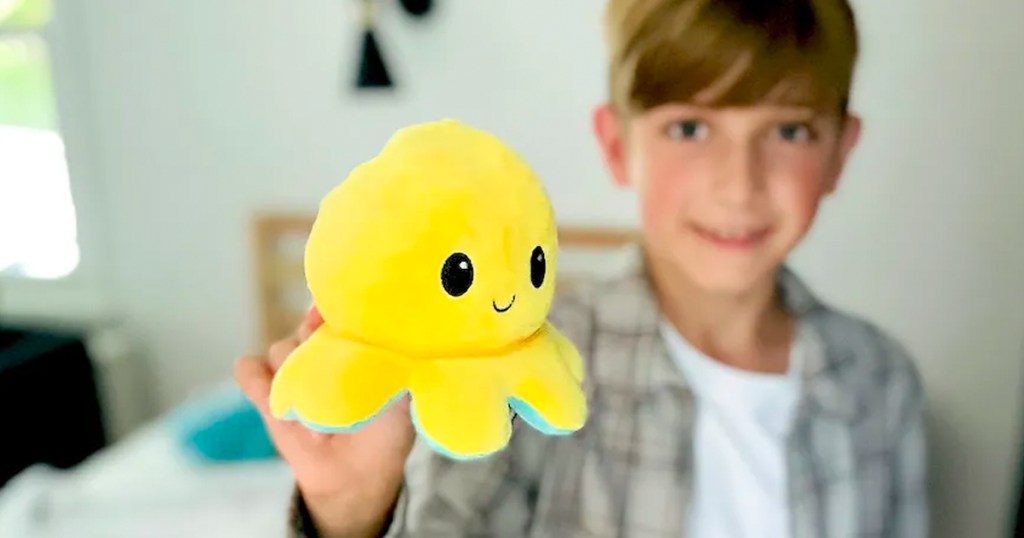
796,132
688,130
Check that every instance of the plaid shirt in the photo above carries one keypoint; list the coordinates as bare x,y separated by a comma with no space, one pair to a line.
856,456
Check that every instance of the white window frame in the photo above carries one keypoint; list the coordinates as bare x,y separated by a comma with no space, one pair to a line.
78,297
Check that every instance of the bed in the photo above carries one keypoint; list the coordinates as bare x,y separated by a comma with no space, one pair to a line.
153,484
150,484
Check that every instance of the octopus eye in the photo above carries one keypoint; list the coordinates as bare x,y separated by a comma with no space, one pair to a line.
457,274
538,267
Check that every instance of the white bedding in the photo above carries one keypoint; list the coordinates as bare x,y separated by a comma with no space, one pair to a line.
146,486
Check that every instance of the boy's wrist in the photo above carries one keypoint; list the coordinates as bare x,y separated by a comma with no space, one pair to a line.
347,514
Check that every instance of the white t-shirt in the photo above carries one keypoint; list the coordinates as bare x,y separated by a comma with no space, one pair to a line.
743,418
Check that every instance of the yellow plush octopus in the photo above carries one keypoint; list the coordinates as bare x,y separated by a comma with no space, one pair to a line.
433,267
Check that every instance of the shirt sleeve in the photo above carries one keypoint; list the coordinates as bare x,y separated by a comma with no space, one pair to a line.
494,496
911,507
300,523
909,458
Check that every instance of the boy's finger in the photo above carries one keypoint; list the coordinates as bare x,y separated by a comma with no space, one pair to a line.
310,323
319,437
279,351
254,378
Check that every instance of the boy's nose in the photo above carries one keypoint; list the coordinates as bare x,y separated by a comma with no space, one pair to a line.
740,180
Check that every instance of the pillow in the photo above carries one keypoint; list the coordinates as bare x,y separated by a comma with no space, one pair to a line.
223,426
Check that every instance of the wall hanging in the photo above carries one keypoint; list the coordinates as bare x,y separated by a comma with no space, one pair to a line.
373,70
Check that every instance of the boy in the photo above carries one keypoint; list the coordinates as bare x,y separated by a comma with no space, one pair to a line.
726,401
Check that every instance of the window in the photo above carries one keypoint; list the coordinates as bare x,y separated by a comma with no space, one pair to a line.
38,230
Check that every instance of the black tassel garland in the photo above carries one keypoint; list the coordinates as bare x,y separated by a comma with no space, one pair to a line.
373,70
417,8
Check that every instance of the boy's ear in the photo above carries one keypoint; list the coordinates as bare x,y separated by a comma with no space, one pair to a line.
609,131
848,139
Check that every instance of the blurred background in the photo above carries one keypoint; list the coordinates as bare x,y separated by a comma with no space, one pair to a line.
153,155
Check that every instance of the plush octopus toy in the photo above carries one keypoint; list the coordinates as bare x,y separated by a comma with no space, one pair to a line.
433,267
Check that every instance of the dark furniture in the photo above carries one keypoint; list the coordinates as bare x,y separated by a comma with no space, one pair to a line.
49,400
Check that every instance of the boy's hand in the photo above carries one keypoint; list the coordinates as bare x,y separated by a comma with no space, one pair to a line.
349,481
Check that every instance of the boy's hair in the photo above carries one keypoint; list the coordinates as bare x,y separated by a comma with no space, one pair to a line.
730,52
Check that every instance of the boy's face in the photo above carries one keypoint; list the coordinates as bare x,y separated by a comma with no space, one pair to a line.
726,193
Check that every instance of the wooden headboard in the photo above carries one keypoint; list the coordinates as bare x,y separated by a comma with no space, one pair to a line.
280,240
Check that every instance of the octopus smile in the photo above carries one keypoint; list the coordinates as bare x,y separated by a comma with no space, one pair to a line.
501,310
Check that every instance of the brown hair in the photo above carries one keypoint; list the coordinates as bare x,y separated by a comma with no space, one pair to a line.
730,52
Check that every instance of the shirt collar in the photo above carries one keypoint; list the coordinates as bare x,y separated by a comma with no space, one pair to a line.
628,306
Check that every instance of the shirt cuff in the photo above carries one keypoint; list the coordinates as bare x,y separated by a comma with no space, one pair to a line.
394,527
300,523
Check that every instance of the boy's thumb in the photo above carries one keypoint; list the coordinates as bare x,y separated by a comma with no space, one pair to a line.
254,378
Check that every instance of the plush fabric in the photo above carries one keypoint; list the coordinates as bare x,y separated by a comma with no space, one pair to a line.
433,266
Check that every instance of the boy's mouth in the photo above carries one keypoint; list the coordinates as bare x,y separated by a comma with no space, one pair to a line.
738,237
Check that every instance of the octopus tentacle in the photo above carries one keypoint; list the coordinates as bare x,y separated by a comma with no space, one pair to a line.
544,380
458,406
567,352
333,384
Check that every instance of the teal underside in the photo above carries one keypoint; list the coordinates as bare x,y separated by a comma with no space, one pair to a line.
519,407
533,418
293,415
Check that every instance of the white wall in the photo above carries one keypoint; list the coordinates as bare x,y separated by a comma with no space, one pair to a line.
926,233
210,110
206,111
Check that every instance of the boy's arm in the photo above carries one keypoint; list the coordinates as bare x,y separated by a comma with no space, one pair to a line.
911,502
909,450
301,524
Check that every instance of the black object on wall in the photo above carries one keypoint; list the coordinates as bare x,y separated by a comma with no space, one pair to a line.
373,70
417,8
50,401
